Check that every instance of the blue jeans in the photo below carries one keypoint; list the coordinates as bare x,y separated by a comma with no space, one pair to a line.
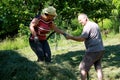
41,49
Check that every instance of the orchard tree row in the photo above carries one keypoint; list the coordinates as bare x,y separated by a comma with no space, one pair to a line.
13,13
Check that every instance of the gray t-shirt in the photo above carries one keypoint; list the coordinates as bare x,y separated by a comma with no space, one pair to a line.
91,33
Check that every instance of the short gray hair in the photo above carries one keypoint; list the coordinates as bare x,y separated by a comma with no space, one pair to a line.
84,15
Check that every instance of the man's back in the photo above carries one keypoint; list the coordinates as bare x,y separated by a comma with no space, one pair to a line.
93,37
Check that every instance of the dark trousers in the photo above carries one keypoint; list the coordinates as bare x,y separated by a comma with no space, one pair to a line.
41,49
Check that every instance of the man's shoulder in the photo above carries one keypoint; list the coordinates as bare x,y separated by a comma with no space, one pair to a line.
91,23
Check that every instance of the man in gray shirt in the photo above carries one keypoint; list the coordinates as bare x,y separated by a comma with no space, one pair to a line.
94,46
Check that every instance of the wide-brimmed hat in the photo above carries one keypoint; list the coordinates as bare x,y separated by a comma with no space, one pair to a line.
50,10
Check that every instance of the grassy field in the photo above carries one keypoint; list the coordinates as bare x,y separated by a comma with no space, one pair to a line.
20,64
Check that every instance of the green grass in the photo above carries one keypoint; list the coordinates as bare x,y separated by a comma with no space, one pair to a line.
20,64
13,44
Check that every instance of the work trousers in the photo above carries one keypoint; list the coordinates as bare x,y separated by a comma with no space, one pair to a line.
41,49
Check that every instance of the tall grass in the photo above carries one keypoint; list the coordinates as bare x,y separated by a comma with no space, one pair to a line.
14,44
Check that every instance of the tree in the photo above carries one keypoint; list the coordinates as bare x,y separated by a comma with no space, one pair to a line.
116,16
16,12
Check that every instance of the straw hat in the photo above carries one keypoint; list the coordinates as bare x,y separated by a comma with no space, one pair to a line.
50,10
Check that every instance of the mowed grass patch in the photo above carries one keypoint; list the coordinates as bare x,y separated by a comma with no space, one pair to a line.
21,63
14,66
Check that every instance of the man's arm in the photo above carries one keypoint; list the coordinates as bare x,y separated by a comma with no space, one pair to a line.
76,38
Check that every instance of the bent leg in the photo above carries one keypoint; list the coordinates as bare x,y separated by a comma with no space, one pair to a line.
37,48
47,51
84,66
98,68
83,73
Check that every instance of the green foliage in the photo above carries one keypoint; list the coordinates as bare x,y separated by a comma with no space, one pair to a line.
106,24
116,15
117,4
23,30
76,27
12,16
96,9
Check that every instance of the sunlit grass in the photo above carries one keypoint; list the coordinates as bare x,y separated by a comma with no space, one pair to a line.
13,44
20,62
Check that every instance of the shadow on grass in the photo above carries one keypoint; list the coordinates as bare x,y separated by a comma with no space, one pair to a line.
72,57
111,56
13,66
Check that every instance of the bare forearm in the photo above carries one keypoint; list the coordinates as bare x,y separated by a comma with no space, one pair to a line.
77,38
33,24
32,30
